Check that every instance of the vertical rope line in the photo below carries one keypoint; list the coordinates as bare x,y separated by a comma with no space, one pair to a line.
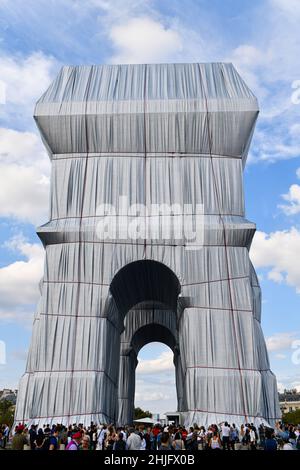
80,242
145,157
218,199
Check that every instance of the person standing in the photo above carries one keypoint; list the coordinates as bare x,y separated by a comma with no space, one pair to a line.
53,440
133,441
32,436
233,436
165,441
18,440
252,438
262,435
178,443
270,443
86,442
215,442
225,435
120,444
5,435
102,437
74,442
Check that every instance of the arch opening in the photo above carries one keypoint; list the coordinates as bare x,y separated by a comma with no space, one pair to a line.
145,294
145,281
153,333
155,389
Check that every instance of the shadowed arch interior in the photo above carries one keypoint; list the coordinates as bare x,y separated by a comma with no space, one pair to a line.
142,281
153,333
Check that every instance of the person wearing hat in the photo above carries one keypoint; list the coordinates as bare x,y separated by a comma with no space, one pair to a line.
75,441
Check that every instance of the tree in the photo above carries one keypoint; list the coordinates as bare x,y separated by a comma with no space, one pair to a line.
6,412
293,417
139,413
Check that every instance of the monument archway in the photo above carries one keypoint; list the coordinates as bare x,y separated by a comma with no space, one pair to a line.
145,293
171,135
153,332
145,281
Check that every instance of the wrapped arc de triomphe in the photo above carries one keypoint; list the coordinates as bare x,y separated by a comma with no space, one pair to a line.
125,141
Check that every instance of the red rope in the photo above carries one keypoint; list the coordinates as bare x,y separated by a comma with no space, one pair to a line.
218,199
69,415
46,281
80,244
231,413
227,368
141,154
145,157
121,215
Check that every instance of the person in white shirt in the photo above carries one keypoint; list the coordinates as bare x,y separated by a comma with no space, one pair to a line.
287,445
215,443
143,442
252,439
102,437
225,435
133,441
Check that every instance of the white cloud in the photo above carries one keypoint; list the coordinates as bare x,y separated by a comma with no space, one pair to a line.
280,341
269,63
155,383
280,356
288,382
247,58
24,193
293,194
24,176
277,251
24,165
291,8
23,148
275,139
25,79
296,385
144,396
275,276
280,387
164,363
293,198
142,40
19,280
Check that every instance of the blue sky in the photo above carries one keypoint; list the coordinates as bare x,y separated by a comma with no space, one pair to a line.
261,38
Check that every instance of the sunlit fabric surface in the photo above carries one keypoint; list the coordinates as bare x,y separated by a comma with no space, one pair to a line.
154,134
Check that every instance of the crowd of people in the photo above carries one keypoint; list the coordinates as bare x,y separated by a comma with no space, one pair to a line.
108,437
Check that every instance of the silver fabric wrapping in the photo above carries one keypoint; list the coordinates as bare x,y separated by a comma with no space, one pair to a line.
168,133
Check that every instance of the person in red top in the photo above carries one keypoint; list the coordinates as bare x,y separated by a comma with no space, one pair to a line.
183,434
155,431
75,441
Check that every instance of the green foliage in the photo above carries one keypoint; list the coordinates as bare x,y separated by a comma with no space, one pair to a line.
7,410
139,413
293,417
